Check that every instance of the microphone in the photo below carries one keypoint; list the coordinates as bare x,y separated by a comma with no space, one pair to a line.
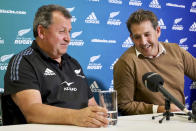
154,82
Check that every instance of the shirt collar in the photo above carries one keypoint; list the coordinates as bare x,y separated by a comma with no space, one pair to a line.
35,46
161,51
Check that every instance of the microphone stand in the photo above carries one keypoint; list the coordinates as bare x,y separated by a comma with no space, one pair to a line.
166,115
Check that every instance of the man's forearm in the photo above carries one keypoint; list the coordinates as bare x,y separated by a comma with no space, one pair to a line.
46,114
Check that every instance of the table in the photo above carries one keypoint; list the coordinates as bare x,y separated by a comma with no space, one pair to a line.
125,123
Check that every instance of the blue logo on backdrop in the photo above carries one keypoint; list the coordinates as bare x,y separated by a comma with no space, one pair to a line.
73,19
93,65
92,19
193,7
75,41
135,2
154,4
181,43
177,26
20,39
112,20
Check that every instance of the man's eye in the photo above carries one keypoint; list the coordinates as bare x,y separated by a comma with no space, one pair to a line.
147,35
136,37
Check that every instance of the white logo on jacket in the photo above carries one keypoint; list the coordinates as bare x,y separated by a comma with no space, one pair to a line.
49,72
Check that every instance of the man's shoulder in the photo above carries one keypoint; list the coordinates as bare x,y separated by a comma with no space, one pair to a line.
128,57
169,45
29,52
129,54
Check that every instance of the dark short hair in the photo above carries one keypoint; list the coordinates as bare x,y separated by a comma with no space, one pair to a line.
140,16
43,16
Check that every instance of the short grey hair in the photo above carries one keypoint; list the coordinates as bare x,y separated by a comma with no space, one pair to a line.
43,16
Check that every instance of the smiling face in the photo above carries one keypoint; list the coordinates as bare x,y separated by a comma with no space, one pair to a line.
55,39
145,38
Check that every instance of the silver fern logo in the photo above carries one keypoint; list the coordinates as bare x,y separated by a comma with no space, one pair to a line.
113,14
94,58
75,34
3,59
112,21
183,40
182,45
74,41
23,32
20,39
176,25
92,65
178,20
70,9
6,57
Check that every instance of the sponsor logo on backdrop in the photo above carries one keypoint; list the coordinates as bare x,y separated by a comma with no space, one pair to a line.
135,2
93,65
1,41
161,24
95,40
112,20
193,85
94,0
154,4
20,39
194,45
166,41
193,27
92,19
112,66
73,19
176,26
112,84
193,7
175,5
115,1
127,43
74,41
4,61
183,45
16,12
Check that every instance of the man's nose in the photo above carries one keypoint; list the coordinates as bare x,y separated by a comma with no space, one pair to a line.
67,37
143,40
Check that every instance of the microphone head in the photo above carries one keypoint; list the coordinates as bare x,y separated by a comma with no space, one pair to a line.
152,81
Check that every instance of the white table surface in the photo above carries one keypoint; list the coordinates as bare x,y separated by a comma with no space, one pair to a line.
125,123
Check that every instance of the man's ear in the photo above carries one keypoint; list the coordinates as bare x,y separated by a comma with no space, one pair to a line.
41,31
158,31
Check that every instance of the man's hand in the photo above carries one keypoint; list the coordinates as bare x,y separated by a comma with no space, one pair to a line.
92,116
173,108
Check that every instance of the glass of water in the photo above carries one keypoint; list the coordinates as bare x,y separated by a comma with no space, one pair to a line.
108,100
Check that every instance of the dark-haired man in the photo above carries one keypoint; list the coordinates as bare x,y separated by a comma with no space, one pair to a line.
150,55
